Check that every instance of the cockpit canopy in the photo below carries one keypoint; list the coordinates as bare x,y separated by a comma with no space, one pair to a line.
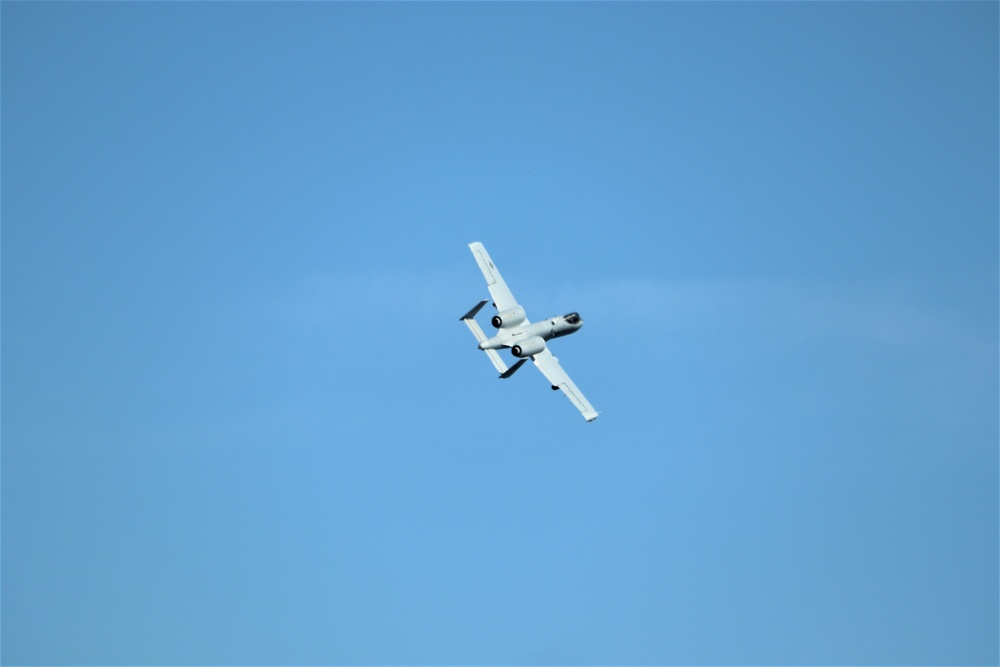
572,318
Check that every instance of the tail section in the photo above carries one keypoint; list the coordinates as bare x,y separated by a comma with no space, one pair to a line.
470,320
471,315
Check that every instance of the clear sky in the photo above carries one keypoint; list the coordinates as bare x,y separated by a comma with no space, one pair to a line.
242,423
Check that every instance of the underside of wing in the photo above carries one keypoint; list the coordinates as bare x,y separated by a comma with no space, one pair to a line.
557,377
502,297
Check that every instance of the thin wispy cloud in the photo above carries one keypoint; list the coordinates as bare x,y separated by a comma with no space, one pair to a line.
325,299
881,313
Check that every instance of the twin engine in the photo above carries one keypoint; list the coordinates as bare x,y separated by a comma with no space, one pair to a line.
508,318
528,347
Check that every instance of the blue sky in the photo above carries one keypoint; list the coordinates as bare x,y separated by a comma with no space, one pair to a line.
242,423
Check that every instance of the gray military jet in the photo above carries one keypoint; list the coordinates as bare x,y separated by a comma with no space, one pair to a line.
523,338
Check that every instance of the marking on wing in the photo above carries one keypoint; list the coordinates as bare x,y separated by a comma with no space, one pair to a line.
490,279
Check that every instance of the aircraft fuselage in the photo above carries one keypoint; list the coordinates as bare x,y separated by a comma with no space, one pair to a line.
554,327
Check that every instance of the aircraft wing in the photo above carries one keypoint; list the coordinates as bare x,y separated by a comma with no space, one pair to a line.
550,368
502,297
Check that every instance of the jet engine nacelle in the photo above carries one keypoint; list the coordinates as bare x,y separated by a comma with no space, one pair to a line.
528,347
509,318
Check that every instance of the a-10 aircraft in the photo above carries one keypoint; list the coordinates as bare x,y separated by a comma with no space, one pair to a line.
524,339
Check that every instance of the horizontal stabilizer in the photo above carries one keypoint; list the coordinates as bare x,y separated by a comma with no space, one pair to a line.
480,336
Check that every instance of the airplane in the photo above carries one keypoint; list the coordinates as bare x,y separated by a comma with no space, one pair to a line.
524,339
